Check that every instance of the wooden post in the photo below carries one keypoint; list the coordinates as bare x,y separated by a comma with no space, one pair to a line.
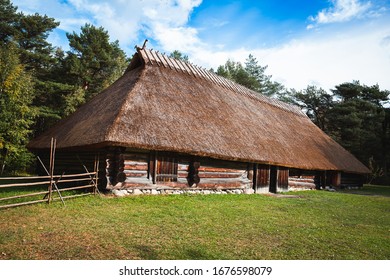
52,157
154,176
96,170
323,179
55,182
254,180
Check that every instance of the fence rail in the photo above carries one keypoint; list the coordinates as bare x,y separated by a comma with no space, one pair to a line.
52,189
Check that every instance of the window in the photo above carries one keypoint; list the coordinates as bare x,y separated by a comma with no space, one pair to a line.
166,169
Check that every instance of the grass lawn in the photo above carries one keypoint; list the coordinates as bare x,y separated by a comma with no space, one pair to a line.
353,224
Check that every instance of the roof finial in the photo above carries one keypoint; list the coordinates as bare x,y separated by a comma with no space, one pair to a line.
144,45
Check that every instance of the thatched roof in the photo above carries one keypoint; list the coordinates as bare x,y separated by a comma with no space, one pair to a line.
164,104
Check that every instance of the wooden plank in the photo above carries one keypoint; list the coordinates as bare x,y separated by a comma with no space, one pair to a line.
23,195
263,173
136,174
136,167
23,203
182,167
25,184
219,175
220,169
282,181
135,157
47,177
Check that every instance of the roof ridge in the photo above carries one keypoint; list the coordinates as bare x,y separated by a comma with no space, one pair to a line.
155,58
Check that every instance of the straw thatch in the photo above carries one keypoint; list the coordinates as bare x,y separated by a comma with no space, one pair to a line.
167,105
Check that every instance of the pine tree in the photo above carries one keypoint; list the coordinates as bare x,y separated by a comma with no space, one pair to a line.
93,61
253,76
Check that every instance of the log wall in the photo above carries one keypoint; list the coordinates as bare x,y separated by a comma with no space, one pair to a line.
351,180
301,182
224,175
163,170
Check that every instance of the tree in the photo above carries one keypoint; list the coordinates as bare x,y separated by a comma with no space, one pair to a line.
93,63
29,34
8,19
252,76
236,72
357,120
354,115
16,113
36,52
178,55
316,102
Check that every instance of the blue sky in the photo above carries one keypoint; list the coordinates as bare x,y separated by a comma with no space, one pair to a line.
303,42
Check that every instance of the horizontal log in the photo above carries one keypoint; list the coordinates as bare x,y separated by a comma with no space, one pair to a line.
132,162
135,157
182,167
222,164
22,203
219,175
301,185
134,174
300,180
75,180
47,177
23,195
219,170
136,167
25,184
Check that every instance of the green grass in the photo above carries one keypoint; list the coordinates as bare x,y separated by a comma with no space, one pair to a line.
314,225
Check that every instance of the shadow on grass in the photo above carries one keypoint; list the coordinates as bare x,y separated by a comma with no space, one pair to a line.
146,252
195,254
370,190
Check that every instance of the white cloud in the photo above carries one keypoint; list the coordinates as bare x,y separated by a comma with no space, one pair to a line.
355,54
324,58
341,11
124,20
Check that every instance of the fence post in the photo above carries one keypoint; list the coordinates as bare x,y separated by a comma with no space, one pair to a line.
96,170
53,144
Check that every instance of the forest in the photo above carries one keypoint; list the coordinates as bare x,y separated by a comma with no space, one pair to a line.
40,84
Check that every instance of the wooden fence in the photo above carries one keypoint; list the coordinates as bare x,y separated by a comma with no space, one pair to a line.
50,187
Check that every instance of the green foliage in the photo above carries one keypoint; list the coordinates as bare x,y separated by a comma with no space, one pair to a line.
178,55
316,102
16,112
35,51
252,76
40,83
8,20
93,62
355,116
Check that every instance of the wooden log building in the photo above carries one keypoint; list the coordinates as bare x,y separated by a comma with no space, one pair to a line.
168,124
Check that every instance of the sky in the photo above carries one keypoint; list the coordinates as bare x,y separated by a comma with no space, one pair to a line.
303,42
